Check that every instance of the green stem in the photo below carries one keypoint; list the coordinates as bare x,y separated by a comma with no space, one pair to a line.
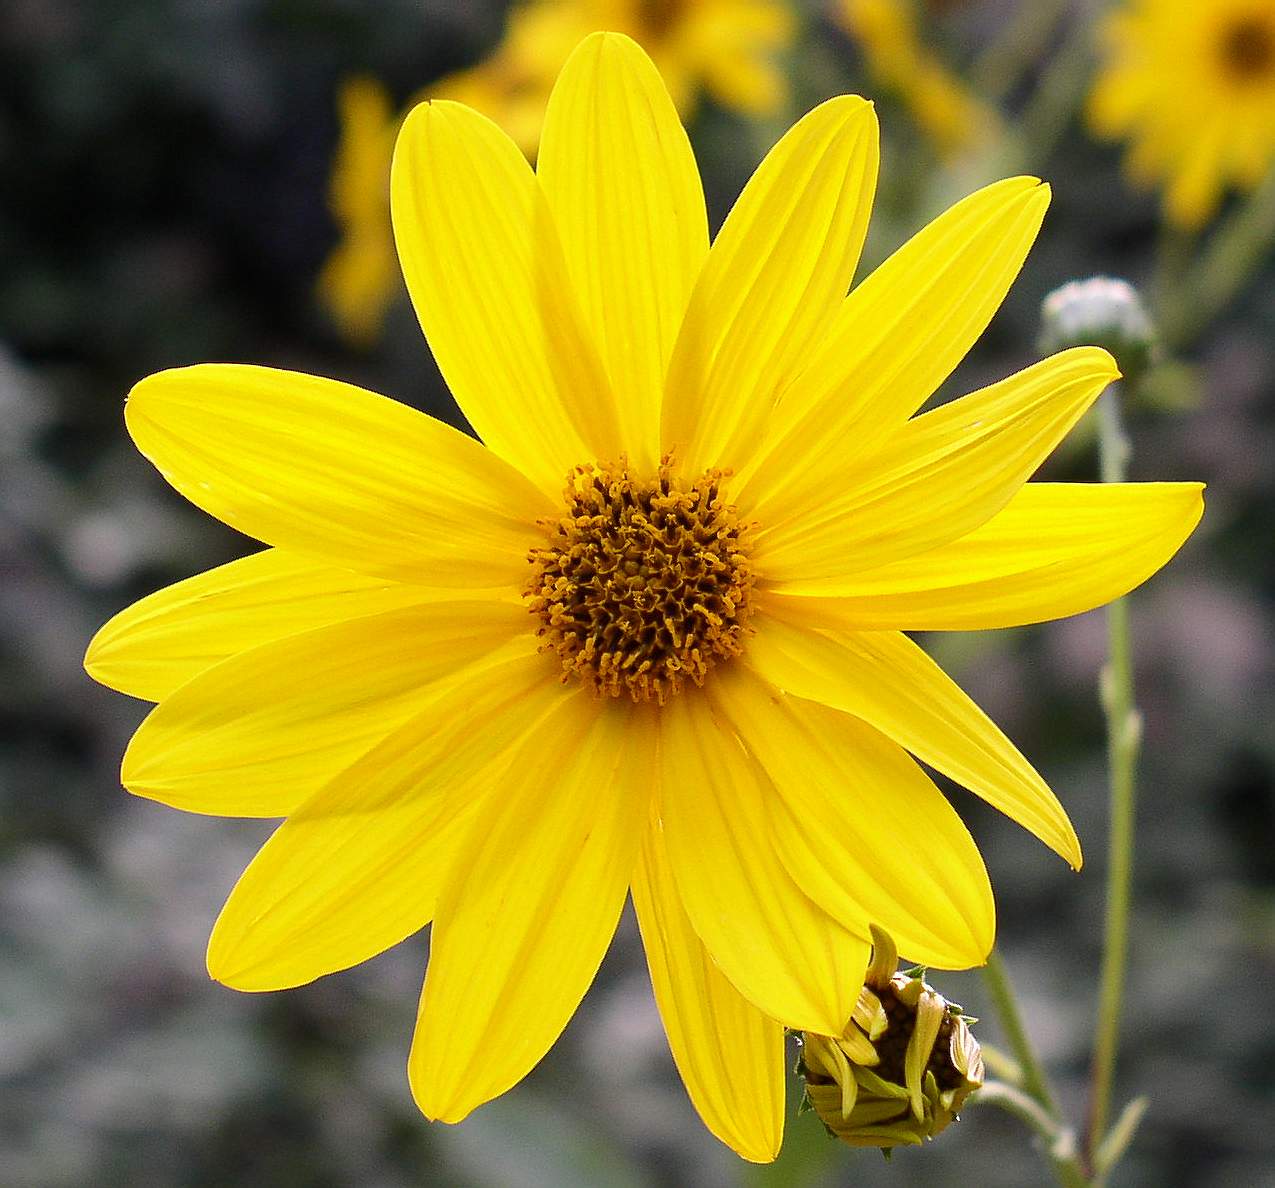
1002,991
1059,1147
1123,740
1024,1107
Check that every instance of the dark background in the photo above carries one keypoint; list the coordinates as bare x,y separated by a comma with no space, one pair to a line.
163,168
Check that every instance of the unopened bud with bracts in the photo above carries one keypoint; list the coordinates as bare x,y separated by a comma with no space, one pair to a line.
1101,311
903,1067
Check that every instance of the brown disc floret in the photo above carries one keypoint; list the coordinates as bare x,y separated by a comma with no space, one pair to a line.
644,583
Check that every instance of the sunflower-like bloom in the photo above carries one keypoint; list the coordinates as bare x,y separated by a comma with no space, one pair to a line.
943,107
649,635
904,1065
361,276
1192,85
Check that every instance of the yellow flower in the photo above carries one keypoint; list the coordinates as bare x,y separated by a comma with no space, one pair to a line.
361,276
1192,85
484,701
945,110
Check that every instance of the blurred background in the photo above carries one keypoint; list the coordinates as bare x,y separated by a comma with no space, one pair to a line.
186,181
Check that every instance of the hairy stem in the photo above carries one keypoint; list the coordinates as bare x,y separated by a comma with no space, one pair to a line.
1123,740
1034,1103
1034,1082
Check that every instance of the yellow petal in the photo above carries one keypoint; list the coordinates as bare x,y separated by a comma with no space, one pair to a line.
782,951
320,467
358,867
730,1056
531,905
862,830
1056,549
260,732
941,476
164,639
621,180
885,679
930,1013
773,279
485,269
895,339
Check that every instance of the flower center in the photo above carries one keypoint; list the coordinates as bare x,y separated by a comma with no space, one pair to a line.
1248,48
644,583
892,1047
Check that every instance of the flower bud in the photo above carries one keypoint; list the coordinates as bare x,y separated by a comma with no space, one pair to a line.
1100,311
903,1067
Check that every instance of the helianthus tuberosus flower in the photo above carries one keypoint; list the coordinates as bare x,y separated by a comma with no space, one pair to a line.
899,62
1191,85
650,633
904,1065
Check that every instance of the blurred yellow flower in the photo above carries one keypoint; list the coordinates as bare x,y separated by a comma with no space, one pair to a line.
729,48
480,699
898,62
361,276
1191,83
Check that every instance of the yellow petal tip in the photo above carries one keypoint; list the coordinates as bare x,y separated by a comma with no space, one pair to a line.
93,663
246,978
100,659
851,107
148,399
154,386
611,37
1097,359
760,1155
220,969
1026,188
617,50
434,1106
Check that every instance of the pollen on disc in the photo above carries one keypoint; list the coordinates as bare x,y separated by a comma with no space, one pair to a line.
644,582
